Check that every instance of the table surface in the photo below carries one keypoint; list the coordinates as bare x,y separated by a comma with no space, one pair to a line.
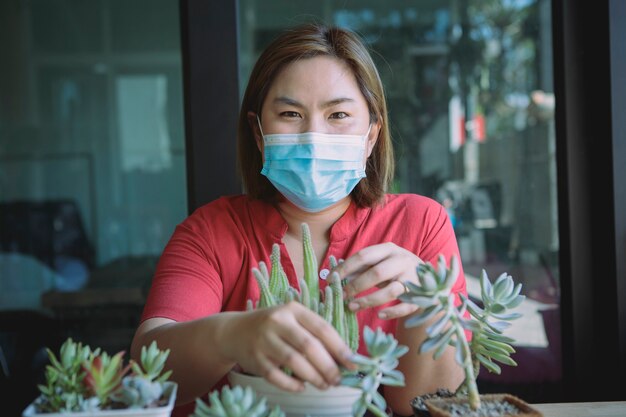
583,409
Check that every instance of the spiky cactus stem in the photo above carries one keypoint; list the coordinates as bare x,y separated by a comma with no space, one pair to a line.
263,279
278,282
339,319
310,266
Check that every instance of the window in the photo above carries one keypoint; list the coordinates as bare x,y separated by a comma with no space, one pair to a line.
471,103
92,168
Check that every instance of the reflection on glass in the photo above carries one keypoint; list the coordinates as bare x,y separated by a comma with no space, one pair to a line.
469,87
92,168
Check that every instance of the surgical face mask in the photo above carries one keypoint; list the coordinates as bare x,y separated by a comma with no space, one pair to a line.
314,170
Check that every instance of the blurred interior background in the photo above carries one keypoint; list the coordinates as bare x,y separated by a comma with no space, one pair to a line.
96,160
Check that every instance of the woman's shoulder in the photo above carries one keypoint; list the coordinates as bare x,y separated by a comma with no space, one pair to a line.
412,204
218,205
219,212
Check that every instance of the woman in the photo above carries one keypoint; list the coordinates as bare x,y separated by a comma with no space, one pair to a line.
314,147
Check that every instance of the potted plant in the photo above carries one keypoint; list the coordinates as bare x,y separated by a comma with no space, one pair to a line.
358,391
487,346
235,402
82,382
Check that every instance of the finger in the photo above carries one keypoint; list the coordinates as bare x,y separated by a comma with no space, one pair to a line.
331,349
364,259
397,311
378,298
279,378
297,359
386,270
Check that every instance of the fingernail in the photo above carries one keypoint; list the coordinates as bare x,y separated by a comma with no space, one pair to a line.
353,306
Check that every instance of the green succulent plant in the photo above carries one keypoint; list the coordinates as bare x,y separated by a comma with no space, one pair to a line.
145,386
152,362
379,367
235,402
81,379
64,389
103,376
488,345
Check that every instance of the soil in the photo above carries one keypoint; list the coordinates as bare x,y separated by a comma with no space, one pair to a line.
488,408
491,405
419,407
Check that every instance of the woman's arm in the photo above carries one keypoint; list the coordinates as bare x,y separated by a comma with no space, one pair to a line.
202,351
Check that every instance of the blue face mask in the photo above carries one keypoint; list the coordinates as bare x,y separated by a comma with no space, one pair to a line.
314,170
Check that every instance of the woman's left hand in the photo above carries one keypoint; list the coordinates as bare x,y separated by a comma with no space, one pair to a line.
386,266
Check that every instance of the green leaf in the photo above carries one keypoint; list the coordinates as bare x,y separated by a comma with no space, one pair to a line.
503,286
434,342
486,290
436,327
487,363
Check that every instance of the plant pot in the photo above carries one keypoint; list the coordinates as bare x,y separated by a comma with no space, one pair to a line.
508,406
333,402
418,404
162,411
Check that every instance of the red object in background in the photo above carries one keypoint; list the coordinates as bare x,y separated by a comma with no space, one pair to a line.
461,131
479,128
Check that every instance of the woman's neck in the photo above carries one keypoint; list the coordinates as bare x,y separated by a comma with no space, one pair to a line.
319,223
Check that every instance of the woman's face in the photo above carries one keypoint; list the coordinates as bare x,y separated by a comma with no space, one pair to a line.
317,94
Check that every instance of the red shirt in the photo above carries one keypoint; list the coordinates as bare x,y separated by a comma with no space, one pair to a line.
206,266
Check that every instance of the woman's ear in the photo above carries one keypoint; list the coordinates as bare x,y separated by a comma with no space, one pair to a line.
256,130
372,137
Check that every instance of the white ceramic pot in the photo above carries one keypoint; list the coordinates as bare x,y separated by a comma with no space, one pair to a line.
333,402
163,411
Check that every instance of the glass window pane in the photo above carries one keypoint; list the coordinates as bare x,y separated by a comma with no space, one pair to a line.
92,163
471,104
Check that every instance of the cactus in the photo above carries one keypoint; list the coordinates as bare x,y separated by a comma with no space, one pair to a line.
434,297
310,268
235,402
383,349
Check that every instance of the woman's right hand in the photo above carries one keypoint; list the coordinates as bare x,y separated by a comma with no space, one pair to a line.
291,336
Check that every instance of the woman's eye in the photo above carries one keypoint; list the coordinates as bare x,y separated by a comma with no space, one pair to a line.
339,115
290,114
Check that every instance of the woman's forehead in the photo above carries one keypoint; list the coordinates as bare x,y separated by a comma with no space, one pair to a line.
319,79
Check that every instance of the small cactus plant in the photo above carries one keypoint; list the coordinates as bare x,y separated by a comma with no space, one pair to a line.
488,344
384,351
82,379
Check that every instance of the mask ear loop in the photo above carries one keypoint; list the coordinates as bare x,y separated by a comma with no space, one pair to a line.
260,128
369,129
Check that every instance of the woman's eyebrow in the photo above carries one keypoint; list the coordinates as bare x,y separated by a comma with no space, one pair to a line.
326,104
336,101
288,101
